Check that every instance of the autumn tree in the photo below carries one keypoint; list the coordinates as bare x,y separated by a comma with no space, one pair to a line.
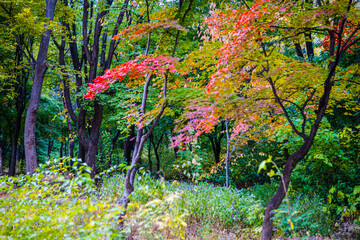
143,69
268,64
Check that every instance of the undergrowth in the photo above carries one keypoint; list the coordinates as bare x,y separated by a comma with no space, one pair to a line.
59,202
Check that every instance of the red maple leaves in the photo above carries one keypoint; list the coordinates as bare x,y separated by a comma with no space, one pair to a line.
133,69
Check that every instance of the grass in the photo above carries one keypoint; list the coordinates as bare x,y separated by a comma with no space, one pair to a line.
73,208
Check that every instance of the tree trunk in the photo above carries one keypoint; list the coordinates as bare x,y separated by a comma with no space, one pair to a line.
90,142
227,152
1,160
20,107
40,69
129,144
156,147
113,142
61,149
275,202
50,145
14,144
149,156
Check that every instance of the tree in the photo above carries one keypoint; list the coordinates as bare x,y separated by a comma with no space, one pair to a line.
85,66
26,22
143,68
40,69
257,64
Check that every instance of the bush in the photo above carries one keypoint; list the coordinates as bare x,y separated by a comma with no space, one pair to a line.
55,203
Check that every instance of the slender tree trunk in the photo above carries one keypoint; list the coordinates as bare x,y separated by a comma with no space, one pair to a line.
113,142
227,152
61,149
40,69
14,144
20,107
156,147
149,156
1,161
129,144
50,145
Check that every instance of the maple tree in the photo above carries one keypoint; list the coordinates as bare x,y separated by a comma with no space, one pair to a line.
144,70
256,68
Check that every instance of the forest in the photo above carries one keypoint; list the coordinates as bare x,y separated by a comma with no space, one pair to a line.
180,119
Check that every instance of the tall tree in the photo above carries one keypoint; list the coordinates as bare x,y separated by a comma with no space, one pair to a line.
40,69
88,61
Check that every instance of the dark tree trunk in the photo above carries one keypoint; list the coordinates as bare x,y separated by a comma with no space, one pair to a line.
309,46
1,160
65,92
50,145
149,156
113,142
215,140
20,107
61,149
89,137
216,146
90,142
81,153
227,152
40,69
129,144
14,144
299,51
156,147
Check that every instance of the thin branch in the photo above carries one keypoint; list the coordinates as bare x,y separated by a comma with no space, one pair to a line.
278,99
23,51
301,112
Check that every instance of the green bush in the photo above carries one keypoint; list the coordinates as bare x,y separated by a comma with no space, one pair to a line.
55,203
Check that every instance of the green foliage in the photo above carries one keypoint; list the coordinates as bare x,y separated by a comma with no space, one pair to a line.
303,216
190,165
153,211
55,204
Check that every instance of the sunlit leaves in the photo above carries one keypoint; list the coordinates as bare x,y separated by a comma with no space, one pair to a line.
134,69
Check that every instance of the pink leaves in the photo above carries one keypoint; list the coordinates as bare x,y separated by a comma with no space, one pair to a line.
134,69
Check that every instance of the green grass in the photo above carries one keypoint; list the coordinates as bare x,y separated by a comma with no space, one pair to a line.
54,204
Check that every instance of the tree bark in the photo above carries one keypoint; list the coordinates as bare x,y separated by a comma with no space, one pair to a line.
227,152
40,69
113,142
149,156
50,145
156,147
20,107
14,143
1,160
129,144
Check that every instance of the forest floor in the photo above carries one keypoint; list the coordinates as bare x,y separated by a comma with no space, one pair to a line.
74,208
